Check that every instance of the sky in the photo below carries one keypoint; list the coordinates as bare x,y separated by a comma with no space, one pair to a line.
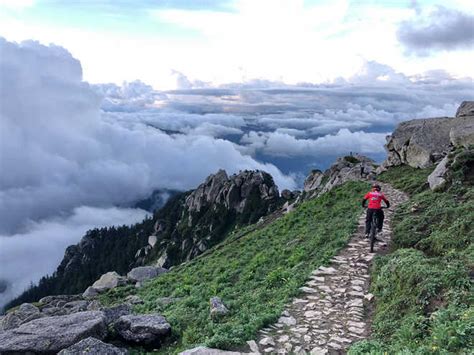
104,102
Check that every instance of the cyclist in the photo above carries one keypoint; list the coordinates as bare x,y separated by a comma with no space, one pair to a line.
375,198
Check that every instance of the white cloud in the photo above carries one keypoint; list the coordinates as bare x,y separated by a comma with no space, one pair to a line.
36,252
343,142
56,145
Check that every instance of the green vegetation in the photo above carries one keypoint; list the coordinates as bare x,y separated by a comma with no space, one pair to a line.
351,159
423,289
254,273
406,178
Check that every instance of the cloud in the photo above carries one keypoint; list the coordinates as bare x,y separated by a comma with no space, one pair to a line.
58,151
441,29
344,141
37,251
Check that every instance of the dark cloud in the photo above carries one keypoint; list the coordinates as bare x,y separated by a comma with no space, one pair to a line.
442,29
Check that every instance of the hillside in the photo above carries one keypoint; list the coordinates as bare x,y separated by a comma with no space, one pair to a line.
256,273
424,287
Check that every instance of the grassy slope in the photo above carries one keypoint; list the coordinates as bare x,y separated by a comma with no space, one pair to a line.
255,274
423,290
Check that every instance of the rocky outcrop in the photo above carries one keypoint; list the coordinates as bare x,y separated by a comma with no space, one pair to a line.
466,109
93,346
148,329
52,334
352,167
422,143
237,192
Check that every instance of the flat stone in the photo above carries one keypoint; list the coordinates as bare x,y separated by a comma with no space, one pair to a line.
267,341
308,289
319,351
287,320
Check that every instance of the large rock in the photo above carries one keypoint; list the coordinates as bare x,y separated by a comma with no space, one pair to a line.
25,313
147,329
112,314
463,135
466,109
437,179
422,143
108,281
92,346
52,334
143,273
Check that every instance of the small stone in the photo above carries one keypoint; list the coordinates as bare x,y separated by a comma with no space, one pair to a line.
267,341
369,297
319,351
287,320
356,330
283,338
218,309
253,346
308,289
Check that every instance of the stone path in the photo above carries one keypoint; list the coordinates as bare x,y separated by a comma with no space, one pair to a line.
331,313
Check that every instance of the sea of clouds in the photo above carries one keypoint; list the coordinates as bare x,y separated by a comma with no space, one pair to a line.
74,156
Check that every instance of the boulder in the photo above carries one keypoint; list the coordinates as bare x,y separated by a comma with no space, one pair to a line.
463,135
217,308
76,306
108,281
437,178
25,313
466,109
113,313
146,329
52,334
202,350
143,273
90,292
58,300
92,346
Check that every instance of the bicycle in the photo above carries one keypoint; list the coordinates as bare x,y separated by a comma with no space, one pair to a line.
373,229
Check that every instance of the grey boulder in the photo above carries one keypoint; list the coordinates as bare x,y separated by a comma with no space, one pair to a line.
218,309
146,329
52,334
109,280
90,292
92,346
115,312
143,273
437,178
24,314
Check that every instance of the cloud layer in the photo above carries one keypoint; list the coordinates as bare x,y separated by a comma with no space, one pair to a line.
441,29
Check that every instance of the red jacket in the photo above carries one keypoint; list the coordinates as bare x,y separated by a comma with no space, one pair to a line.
375,199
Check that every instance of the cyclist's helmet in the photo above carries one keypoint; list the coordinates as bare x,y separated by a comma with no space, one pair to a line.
376,187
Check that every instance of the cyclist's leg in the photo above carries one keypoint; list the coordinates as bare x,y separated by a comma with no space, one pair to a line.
368,220
380,219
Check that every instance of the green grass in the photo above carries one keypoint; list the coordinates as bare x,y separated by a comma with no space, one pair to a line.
255,274
424,293
408,179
